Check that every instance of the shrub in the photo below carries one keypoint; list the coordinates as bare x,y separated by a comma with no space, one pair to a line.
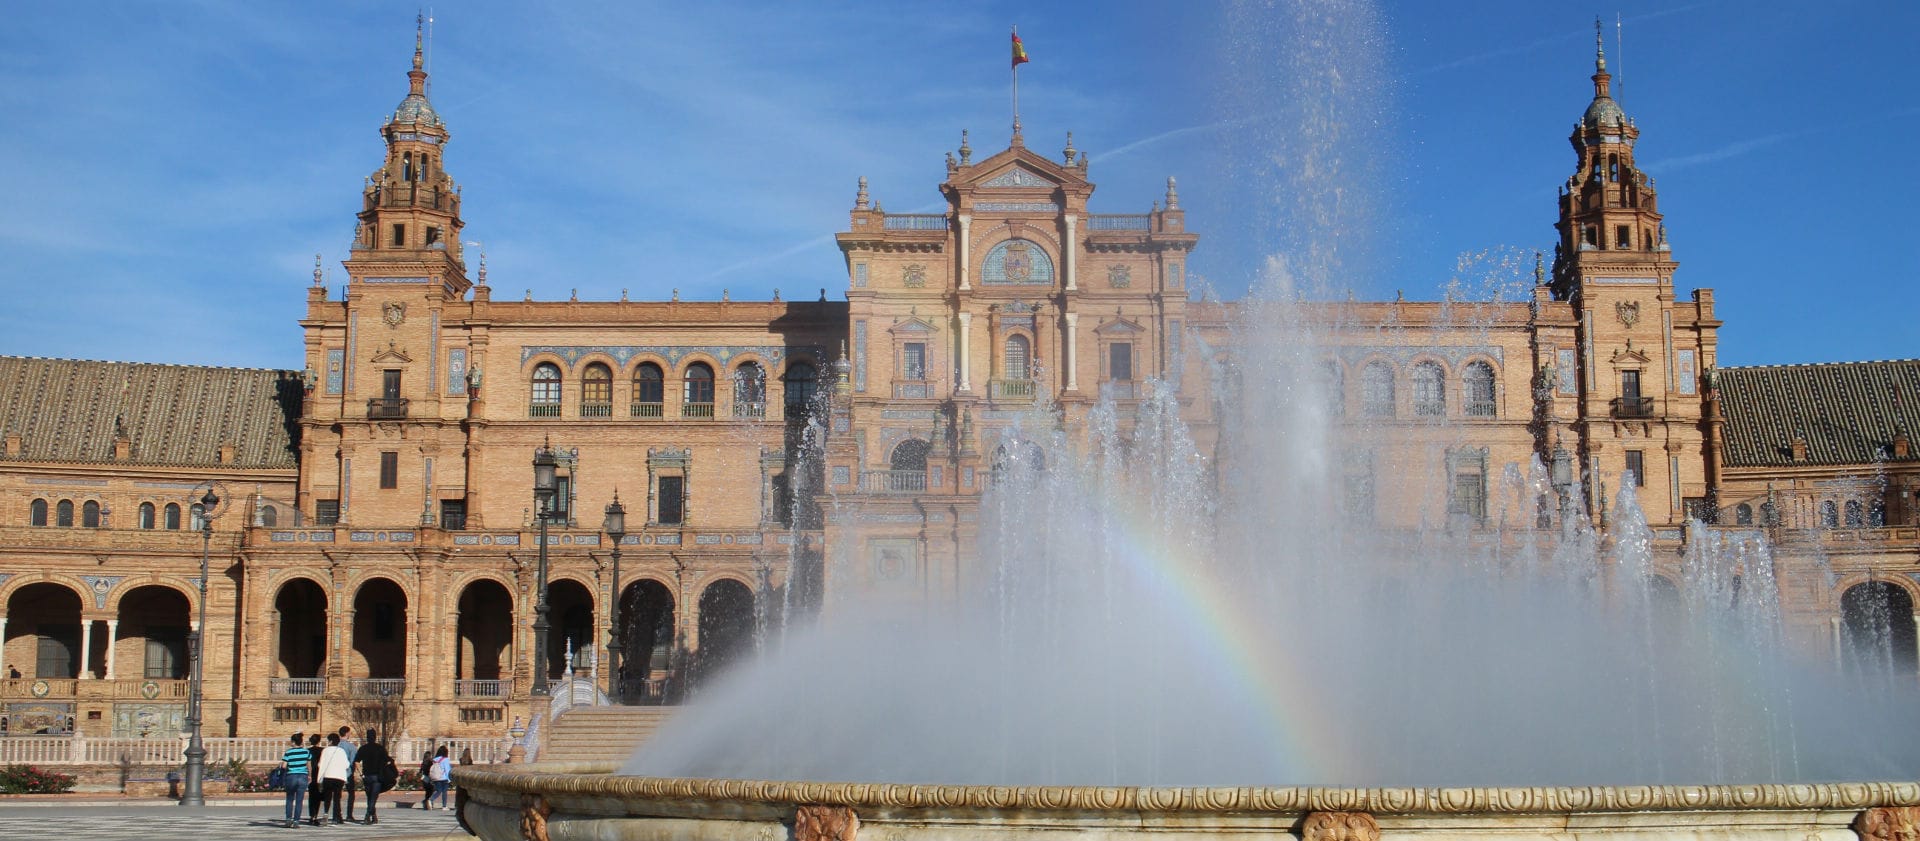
26,779
409,781
239,779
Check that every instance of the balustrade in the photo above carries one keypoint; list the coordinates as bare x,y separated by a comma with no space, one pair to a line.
893,481
297,687
483,688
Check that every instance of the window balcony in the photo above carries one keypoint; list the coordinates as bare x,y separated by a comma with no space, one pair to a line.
1011,389
297,687
596,410
1482,409
501,689
648,410
893,481
1119,389
913,389
696,410
750,410
799,411
387,408
544,410
377,687
1633,407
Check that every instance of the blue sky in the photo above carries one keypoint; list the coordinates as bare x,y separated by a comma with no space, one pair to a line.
169,169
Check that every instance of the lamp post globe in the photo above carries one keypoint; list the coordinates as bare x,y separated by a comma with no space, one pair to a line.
193,791
616,529
545,487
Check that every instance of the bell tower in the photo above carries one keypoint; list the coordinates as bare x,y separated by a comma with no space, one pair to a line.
409,221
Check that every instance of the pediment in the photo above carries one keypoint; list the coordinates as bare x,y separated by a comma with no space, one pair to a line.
1019,176
1628,354
1121,327
913,325
392,354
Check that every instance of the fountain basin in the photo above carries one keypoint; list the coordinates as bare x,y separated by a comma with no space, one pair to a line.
565,801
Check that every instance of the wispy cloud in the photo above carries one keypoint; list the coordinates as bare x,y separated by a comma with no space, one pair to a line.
1543,43
1742,147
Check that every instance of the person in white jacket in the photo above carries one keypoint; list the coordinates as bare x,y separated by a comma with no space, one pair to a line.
334,767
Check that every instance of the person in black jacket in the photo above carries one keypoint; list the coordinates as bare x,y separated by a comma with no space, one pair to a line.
376,772
314,792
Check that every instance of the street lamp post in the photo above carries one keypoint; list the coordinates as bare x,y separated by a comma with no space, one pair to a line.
193,794
616,528
1561,477
545,486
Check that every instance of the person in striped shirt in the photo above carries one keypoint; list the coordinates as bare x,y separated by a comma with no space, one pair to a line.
297,763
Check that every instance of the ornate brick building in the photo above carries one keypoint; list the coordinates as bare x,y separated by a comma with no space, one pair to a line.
375,551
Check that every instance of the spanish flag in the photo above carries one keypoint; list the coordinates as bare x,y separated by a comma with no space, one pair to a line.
1019,50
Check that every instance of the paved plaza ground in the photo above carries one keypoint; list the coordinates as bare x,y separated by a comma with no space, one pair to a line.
232,821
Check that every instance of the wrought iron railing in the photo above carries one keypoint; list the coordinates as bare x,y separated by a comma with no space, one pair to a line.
1633,407
387,408
1010,389
893,481
297,687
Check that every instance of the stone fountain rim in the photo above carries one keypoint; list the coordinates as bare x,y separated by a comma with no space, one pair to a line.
598,780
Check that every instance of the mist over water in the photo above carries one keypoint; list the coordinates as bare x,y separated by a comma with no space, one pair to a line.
1146,612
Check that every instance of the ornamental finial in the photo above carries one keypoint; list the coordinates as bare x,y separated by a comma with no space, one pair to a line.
860,201
317,275
1173,195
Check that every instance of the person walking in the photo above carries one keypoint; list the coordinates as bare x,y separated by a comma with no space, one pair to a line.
376,773
315,786
334,769
441,774
426,781
297,764
346,744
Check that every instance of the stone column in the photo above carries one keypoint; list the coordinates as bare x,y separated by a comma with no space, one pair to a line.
86,649
3,646
966,223
113,638
966,351
1067,248
1070,351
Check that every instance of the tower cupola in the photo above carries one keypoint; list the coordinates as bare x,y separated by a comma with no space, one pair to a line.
409,219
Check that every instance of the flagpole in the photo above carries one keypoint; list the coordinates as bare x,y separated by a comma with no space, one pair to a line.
1016,91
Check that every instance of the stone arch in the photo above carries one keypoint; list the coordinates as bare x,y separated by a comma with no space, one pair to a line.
726,615
151,637
184,587
300,607
647,633
1877,628
379,636
572,604
484,632
1427,377
910,455
15,584
43,637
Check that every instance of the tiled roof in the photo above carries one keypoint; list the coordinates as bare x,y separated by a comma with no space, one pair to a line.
1848,412
70,410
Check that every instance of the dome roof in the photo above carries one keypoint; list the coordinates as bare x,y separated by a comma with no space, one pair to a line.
1604,112
416,110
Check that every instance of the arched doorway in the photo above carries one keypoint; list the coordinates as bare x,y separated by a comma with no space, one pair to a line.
43,632
570,624
1877,629
152,640
378,665
300,610
485,631
726,627
646,641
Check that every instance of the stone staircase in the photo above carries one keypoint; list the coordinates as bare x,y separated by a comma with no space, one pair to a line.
601,734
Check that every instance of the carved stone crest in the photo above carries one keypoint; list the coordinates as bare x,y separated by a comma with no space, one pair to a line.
1018,262
914,276
1339,826
1889,823
533,817
825,823
1628,312
1119,276
394,313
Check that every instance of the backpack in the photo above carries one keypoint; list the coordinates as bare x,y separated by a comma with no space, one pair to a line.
389,775
277,778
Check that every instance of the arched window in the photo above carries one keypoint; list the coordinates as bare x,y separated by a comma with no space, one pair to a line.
90,514
546,391
1014,361
1376,390
1429,390
1856,514
269,516
649,390
910,455
1829,515
63,514
749,390
37,512
1877,629
1477,382
596,391
1876,515
1743,514
802,381
697,391
173,516
146,515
